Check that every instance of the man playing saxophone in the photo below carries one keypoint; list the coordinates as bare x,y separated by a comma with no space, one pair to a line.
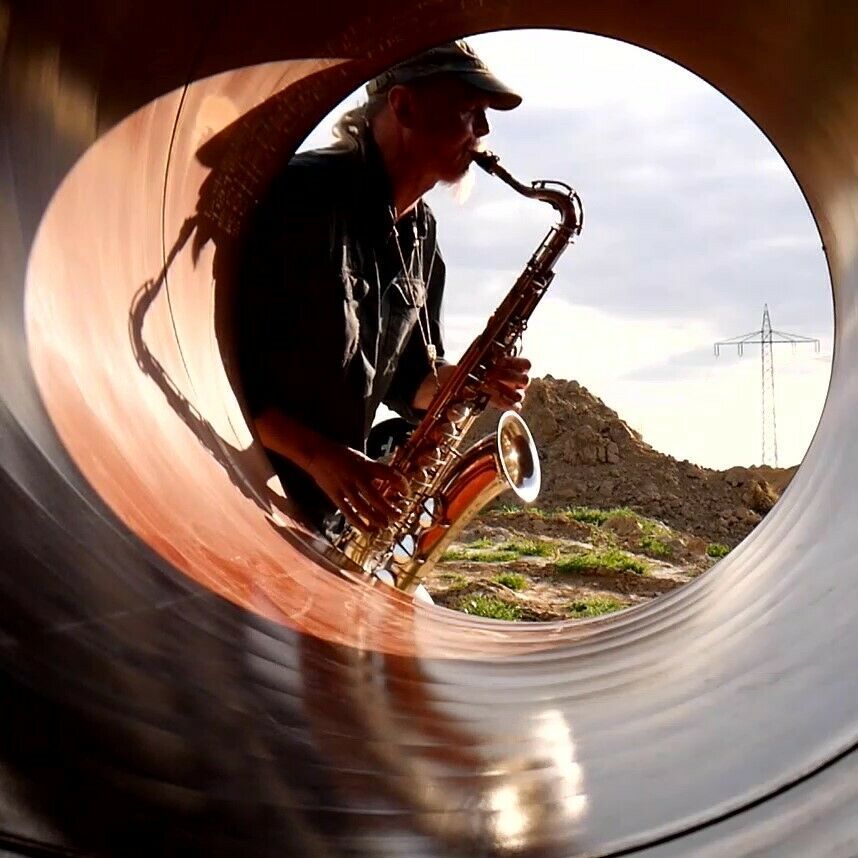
341,284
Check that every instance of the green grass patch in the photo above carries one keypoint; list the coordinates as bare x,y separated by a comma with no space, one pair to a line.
484,551
595,606
530,511
466,552
585,514
530,547
654,535
493,556
626,511
480,555
592,515
612,559
653,546
717,549
513,580
455,580
488,606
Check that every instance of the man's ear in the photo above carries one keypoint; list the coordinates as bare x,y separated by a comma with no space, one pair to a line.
401,101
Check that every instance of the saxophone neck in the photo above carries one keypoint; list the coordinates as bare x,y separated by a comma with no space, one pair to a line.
559,195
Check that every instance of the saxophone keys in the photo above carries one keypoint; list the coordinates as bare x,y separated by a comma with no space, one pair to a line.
427,513
403,550
458,411
444,430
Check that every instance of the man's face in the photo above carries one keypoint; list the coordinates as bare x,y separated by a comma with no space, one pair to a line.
449,120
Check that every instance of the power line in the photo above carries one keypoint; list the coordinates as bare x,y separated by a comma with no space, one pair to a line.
766,338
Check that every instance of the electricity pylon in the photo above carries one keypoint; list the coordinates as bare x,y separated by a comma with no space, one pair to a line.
767,338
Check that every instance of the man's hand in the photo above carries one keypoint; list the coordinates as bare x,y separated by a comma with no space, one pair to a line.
364,490
506,382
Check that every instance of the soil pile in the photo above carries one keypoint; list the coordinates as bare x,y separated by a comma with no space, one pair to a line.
536,565
616,524
591,457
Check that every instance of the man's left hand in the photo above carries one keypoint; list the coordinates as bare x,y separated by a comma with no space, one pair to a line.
507,381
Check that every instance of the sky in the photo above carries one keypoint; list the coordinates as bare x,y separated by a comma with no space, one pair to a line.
692,222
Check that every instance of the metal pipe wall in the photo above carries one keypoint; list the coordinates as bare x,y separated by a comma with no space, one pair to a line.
185,672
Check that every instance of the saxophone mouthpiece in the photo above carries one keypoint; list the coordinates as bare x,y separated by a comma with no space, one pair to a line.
485,159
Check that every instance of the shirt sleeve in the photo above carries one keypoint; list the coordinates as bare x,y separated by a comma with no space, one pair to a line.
414,365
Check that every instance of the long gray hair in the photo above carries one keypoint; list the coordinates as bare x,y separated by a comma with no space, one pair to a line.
349,129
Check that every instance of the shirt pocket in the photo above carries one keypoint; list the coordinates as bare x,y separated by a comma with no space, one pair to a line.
355,289
407,295
406,310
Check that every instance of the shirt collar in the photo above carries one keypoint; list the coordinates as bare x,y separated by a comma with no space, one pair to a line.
380,191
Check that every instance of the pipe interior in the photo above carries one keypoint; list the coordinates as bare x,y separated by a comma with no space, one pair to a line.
748,669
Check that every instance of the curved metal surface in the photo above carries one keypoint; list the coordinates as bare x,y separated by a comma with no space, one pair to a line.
183,672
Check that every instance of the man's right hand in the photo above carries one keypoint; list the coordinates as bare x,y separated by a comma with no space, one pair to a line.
365,491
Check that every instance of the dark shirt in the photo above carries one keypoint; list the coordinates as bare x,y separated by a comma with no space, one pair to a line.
330,322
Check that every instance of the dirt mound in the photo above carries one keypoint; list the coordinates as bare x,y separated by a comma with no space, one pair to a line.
591,457
536,565
617,523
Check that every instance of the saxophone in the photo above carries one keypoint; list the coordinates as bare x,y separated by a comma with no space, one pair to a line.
448,486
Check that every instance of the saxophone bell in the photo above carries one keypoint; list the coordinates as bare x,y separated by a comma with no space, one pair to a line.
518,456
505,460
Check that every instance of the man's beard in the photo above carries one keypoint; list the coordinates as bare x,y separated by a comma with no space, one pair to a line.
462,186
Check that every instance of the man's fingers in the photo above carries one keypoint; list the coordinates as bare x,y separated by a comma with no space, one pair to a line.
382,506
508,376
518,364
506,397
390,476
380,492
351,516
363,496
368,499
340,497
506,390
512,367
371,514
517,382
346,494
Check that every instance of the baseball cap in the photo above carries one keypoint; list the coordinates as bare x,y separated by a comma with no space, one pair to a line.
456,58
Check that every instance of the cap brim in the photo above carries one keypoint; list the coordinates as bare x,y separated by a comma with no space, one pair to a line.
502,97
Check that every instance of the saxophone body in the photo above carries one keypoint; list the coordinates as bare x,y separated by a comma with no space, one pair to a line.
448,485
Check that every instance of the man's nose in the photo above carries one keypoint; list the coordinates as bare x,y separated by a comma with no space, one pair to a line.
481,124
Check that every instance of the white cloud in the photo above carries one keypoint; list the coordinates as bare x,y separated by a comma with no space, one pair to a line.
785,242
552,67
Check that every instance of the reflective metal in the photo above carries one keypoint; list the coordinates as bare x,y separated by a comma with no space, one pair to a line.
403,551
182,671
428,514
518,456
